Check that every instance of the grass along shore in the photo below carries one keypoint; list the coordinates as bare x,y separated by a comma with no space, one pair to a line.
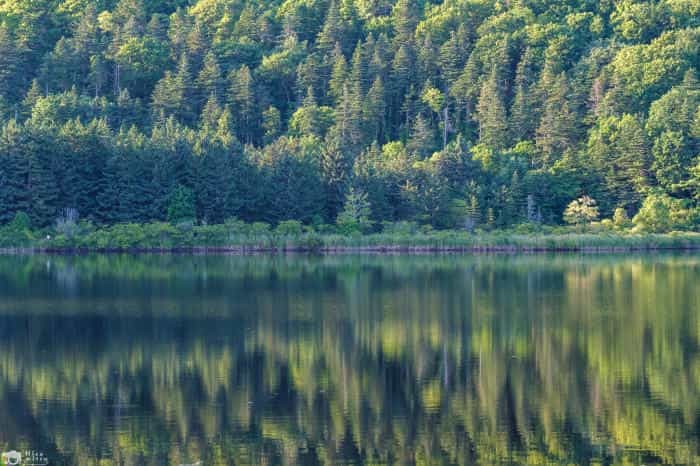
239,237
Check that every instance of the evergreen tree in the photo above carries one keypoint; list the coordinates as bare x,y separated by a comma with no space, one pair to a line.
405,19
451,59
348,120
335,169
401,78
374,111
243,102
358,72
181,206
33,95
356,212
10,62
619,148
168,98
211,112
272,124
557,130
523,116
427,60
493,124
339,75
422,141
14,172
332,31
209,81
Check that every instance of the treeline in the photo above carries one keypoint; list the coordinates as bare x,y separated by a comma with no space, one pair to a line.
463,113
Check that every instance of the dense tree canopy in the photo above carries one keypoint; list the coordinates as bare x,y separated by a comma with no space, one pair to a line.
447,112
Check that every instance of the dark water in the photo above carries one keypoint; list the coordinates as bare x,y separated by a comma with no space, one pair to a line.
163,360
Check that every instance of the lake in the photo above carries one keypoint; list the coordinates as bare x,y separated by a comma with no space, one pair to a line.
283,360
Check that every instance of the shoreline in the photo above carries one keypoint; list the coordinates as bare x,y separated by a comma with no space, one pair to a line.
222,239
349,250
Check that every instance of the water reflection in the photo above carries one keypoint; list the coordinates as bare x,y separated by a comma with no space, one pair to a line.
161,360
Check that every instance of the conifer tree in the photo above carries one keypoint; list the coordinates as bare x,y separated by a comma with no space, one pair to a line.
339,75
523,116
422,141
210,81
33,95
272,124
493,123
405,19
9,62
427,60
356,212
332,31
335,169
243,103
556,132
211,112
374,111
451,59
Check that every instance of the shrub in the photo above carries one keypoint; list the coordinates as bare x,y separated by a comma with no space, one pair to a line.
289,228
21,222
311,242
259,229
621,219
661,213
581,211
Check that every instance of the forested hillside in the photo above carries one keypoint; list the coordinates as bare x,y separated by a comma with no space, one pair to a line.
456,113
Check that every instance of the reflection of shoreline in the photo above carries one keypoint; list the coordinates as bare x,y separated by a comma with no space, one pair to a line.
353,361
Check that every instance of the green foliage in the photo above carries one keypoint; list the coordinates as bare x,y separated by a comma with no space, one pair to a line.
661,213
21,222
581,211
289,228
181,206
270,110
620,218
356,212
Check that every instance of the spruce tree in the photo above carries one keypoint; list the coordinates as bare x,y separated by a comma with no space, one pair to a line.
422,141
14,172
523,116
210,81
451,59
557,130
339,75
374,111
335,169
332,31
491,114
272,124
356,212
243,103
427,60
405,19
10,61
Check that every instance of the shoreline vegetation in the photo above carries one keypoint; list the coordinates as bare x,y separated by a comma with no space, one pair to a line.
237,237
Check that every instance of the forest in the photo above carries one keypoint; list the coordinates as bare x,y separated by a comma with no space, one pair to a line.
454,114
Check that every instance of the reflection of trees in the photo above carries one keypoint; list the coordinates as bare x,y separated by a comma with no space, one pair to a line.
450,360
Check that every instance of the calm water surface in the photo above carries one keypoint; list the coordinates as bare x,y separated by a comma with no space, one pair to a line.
167,360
